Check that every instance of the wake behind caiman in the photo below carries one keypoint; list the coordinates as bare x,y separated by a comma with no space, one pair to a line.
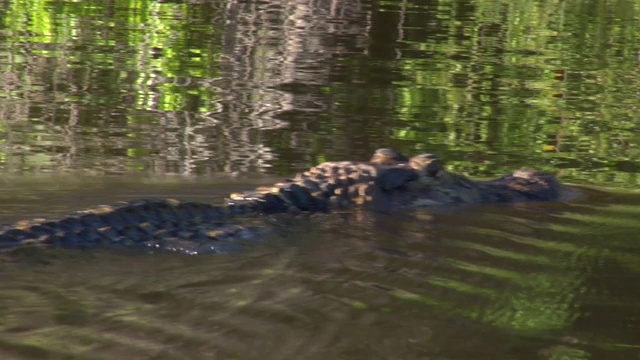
388,181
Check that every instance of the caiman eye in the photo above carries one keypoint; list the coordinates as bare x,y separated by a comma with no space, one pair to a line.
434,168
387,156
427,164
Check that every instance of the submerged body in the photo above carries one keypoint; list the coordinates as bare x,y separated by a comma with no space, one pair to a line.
387,181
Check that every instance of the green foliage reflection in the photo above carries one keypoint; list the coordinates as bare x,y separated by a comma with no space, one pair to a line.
545,82
488,85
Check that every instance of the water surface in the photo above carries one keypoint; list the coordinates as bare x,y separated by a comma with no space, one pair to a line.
112,101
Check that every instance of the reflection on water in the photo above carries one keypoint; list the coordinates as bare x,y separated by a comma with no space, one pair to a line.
527,281
275,86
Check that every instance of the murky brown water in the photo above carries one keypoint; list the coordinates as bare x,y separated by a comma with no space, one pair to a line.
103,102
526,281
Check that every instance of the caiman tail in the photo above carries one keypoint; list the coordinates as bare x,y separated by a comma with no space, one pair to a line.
155,224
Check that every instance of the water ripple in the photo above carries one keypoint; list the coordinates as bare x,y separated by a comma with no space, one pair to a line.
346,284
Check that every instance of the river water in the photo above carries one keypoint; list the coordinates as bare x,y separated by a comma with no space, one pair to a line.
114,101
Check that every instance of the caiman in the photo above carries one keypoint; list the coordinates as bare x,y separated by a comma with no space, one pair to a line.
388,181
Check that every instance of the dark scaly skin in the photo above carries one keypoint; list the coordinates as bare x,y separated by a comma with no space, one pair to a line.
162,224
387,181
175,225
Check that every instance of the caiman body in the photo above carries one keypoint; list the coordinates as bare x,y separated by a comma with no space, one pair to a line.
388,181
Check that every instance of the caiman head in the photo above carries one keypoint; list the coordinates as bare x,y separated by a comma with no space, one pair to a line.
435,185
